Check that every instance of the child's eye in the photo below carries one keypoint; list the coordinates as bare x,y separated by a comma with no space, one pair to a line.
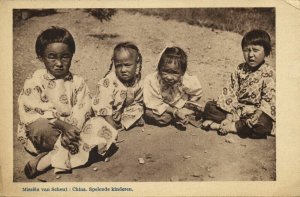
51,56
170,73
67,56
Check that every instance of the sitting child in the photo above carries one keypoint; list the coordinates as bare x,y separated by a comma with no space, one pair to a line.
119,96
247,104
170,94
53,107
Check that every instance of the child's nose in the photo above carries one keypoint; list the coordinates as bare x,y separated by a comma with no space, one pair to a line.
251,53
58,63
123,69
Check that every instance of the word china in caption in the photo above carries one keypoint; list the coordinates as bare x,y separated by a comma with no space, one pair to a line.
77,189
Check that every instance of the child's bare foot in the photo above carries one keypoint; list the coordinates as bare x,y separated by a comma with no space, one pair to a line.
229,127
206,125
215,126
209,124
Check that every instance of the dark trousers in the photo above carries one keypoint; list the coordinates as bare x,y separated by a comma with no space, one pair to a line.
158,120
261,129
43,134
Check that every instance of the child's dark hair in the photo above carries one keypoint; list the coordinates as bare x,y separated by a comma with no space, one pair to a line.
126,45
258,37
52,35
173,54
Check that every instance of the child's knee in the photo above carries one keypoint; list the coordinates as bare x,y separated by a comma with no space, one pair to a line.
261,129
43,134
264,125
213,112
38,127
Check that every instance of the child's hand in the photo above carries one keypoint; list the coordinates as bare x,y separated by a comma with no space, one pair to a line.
70,135
186,111
254,118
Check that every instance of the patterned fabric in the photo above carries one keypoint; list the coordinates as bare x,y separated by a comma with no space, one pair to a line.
96,132
249,90
159,97
113,98
66,99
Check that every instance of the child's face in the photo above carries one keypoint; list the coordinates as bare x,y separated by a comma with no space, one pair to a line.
171,73
254,55
57,59
125,61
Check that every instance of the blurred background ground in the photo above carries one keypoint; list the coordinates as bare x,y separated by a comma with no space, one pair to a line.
211,38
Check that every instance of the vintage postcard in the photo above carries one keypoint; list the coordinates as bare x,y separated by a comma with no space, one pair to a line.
140,98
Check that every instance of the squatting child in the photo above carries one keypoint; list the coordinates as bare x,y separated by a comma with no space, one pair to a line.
171,95
119,96
247,104
54,106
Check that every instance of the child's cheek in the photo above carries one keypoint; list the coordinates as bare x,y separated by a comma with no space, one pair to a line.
176,79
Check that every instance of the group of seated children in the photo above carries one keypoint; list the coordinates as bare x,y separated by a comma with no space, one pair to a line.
60,122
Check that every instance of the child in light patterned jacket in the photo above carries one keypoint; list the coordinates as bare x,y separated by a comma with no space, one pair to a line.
54,106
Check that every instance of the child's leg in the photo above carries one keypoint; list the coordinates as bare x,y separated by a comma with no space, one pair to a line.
154,119
260,129
43,134
213,115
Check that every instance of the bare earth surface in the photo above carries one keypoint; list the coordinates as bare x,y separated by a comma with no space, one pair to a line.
169,154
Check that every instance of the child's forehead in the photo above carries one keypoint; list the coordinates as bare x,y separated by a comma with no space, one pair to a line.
125,53
251,45
57,46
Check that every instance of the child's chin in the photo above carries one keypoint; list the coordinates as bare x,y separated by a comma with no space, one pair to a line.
252,64
59,75
126,79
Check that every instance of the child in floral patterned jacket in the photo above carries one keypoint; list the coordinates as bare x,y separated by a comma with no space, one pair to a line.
247,104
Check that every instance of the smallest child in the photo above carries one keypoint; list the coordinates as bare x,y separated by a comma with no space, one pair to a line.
119,96
247,104
170,94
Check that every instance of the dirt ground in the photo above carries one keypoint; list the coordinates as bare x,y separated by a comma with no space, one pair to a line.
169,154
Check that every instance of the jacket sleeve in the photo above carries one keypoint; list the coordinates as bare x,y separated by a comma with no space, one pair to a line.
268,97
81,104
103,100
33,104
152,97
228,100
193,88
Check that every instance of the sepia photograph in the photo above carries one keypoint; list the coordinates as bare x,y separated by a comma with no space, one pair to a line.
172,94
137,98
